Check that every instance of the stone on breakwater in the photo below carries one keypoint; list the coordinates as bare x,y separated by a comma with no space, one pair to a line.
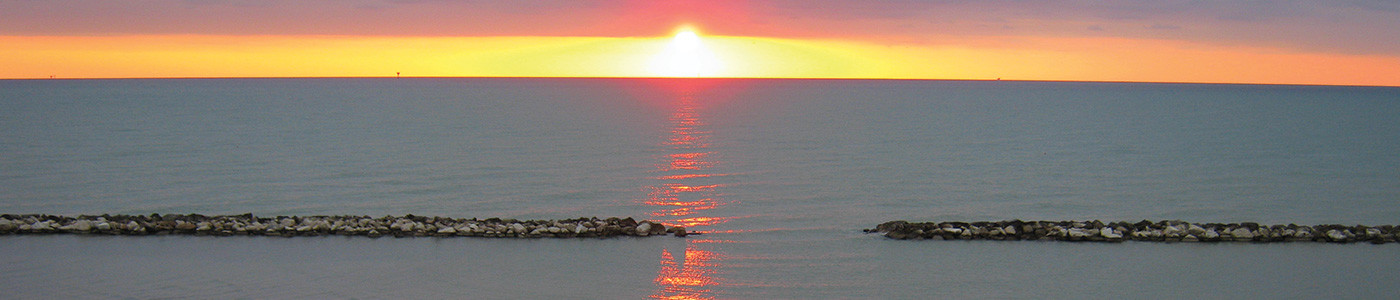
1161,231
405,226
679,231
1243,234
1336,236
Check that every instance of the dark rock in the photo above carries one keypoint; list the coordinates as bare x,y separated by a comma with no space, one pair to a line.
657,228
891,226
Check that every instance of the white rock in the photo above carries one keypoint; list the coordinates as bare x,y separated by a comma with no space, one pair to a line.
42,226
644,228
1302,234
1110,233
1211,234
1242,234
553,229
517,228
579,228
447,230
1336,235
1172,231
1372,232
1010,230
103,226
1195,230
1079,233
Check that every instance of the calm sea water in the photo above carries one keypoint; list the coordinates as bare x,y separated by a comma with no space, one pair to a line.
781,174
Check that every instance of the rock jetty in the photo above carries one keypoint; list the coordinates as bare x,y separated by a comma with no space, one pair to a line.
290,226
1147,231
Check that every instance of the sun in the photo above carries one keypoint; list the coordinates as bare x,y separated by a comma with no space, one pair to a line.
685,56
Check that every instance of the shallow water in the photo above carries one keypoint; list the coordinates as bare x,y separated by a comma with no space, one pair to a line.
782,174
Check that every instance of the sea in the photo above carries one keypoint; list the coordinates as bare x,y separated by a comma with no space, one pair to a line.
779,175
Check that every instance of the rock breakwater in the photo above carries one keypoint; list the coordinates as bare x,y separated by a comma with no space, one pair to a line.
289,226
1147,231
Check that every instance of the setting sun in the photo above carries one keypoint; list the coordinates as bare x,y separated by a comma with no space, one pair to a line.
685,56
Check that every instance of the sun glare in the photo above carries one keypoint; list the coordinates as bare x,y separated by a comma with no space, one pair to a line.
685,56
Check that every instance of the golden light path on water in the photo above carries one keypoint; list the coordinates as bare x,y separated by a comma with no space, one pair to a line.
683,195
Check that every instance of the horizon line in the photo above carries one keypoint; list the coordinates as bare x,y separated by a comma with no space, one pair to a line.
710,78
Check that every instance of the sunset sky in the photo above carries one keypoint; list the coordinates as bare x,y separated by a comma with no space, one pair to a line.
1288,42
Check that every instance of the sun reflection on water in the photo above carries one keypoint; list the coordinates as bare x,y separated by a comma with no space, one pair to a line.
691,278
684,195
686,187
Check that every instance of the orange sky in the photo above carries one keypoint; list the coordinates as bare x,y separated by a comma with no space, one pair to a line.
1288,43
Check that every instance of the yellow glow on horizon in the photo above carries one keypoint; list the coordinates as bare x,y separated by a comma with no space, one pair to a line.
1082,59
323,56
